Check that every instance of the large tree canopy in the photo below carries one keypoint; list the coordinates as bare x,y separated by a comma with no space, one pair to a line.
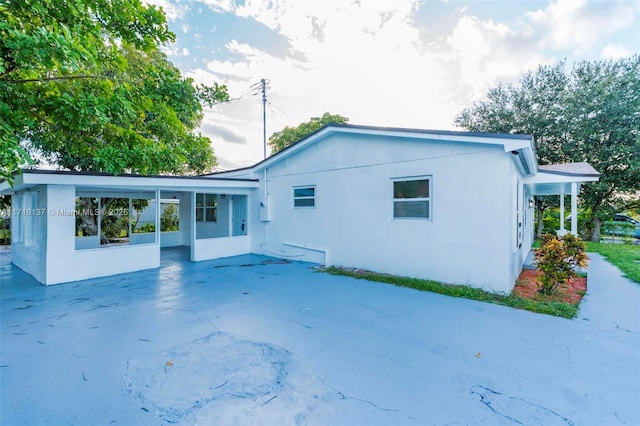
83,85
591,113
290,135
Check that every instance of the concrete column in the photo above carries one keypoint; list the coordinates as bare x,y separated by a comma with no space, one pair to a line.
574,208
192,224
158,214
562,213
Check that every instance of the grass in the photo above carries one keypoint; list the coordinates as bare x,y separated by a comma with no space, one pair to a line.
625,257
549,307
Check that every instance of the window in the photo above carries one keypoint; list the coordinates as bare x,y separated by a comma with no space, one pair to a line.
87,214
114,220
206,208
411,198
304,196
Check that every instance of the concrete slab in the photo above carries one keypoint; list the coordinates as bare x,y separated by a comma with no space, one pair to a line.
252,340
611,299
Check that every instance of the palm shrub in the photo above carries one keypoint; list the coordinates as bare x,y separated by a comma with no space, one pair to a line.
557,260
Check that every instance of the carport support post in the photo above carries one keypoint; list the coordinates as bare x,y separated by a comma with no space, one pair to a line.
574,208
562,212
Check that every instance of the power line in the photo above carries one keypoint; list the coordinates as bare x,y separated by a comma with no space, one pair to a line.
271,104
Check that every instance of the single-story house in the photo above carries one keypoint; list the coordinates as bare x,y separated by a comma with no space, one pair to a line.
451,206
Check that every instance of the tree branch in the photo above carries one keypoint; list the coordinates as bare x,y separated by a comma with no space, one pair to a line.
8,70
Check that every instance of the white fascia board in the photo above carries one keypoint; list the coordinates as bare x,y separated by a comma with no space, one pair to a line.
163,183
543,177
18,183
439,136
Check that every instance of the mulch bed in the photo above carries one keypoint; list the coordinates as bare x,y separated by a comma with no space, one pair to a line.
527,288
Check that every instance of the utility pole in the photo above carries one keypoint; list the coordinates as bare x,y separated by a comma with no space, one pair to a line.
264,116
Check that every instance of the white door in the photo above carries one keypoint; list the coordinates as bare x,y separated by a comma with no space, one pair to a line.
239,215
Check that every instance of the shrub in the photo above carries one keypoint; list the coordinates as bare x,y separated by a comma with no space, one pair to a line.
557,260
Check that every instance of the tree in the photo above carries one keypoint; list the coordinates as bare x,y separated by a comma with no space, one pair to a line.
591,113
291,135
83,85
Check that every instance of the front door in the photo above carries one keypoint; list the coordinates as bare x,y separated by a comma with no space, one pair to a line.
239,215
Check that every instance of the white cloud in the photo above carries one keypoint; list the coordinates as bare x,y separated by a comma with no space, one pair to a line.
615,51
577,23
173,10
488,52
174,50
366,60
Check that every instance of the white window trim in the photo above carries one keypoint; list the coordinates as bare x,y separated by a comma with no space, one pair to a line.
394,200
294,198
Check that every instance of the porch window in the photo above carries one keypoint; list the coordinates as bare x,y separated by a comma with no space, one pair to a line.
411,198
304,196
87,214
206,208
110,219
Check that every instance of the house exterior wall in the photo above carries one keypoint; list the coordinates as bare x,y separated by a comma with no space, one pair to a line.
467,240
215,248
219,228
64,263
29,231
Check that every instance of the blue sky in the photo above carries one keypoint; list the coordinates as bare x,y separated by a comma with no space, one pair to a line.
405,63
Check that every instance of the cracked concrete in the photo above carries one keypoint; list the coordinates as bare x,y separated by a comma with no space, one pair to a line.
277,343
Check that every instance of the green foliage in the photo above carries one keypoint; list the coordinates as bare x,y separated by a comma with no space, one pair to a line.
169,219
143,229
588,114
84,85
625,257
551,220
291,135
557,260
549,307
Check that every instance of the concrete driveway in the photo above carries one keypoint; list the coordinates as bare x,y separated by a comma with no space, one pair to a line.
252,340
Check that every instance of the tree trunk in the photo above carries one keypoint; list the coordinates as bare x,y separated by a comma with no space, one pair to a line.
540,224
595,231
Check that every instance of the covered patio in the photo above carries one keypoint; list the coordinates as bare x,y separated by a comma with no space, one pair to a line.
562,180
69,226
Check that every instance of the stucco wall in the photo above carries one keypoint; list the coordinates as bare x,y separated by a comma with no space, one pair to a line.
467,240
214,248
64,263
29,231
217,229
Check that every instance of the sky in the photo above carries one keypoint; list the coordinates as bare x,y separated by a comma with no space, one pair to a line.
397,63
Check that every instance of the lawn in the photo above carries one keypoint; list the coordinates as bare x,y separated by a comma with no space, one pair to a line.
625,257
539,304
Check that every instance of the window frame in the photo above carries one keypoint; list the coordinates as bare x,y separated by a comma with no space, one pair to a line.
428,199
205,208
303,197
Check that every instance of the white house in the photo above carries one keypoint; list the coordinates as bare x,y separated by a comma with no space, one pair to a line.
455,207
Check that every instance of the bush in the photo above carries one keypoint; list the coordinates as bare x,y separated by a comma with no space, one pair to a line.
557,260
